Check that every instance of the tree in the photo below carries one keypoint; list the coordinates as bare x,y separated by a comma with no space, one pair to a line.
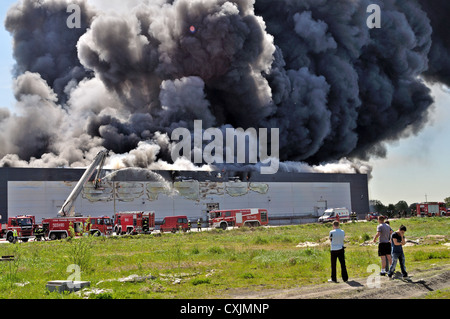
378,206
447,202
413,209
390,210
401,206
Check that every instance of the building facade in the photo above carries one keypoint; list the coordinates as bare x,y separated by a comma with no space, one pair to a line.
289,197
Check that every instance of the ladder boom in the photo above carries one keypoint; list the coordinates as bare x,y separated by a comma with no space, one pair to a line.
68,206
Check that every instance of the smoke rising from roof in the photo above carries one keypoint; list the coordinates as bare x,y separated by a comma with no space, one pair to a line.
131,74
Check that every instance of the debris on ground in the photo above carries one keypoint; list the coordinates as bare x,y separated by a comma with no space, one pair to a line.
177,278
87,292
368,243
307,244
136,278
22,284
130,278
66,285
411,243
212,272
176,281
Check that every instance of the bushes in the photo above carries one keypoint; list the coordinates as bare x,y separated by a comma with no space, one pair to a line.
200,281
80,252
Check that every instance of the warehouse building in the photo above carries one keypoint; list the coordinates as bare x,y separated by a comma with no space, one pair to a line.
290,198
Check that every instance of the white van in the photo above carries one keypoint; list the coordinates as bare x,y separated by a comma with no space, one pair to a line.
331,215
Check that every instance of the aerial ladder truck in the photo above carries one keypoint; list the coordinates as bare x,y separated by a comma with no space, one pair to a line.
68,207
59,228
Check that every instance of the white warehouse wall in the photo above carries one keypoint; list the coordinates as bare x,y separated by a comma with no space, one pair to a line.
44,198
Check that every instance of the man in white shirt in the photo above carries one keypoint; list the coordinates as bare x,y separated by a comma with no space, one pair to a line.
337,236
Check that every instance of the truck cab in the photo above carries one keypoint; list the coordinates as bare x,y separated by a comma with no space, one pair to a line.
134,222
101,226
24,226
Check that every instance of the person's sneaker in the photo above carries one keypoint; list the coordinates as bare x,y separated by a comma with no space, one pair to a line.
331,280
390,276
383,273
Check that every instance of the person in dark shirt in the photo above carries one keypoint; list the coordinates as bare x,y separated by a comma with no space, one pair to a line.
397,241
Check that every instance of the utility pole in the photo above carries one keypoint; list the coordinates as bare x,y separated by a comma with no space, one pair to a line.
426,198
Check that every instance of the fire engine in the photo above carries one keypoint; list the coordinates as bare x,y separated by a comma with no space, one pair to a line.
134,222
432,209
251,217
59,228
24,225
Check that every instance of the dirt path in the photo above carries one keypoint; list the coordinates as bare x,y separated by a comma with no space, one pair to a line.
420,283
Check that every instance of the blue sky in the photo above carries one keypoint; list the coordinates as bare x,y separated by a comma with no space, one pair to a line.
6,59
414,166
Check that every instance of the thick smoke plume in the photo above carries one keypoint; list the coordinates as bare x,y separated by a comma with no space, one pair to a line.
336,89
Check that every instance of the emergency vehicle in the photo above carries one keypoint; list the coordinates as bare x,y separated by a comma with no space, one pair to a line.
134,223
174,223
59,228
251,217
24,226
332,214
432,209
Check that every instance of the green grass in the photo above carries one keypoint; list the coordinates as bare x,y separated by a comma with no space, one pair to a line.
207,264
438,294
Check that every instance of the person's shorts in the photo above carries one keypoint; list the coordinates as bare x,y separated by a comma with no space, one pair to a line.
384,249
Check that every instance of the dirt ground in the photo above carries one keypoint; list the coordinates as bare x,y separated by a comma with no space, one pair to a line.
420,283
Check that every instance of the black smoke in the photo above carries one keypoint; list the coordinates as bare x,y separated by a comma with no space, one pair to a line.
312,68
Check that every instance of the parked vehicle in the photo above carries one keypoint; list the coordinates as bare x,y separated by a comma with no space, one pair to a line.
134,223
251,217
432,209
332,214
372,216
174,223
60,228
24,225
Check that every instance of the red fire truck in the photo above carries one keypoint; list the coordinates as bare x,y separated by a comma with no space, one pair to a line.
59,228
23,224
251,217
431,209
134,223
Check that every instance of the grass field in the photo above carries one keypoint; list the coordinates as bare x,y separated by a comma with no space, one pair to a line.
209,264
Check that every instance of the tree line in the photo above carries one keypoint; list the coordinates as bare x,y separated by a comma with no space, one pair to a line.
401,209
